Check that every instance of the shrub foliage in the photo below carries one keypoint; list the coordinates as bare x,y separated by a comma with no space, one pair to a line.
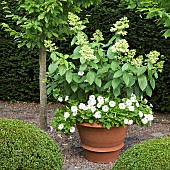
152,154
19,75
24,146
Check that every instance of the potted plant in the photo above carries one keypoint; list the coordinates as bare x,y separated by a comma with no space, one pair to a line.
101,86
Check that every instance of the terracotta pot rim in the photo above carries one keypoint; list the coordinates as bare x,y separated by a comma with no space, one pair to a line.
96,125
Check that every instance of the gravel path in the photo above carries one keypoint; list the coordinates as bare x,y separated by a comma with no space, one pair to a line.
72,152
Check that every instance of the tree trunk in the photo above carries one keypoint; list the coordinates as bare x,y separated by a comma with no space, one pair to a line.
43,94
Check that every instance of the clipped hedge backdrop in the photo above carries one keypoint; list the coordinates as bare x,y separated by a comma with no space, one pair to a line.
19,68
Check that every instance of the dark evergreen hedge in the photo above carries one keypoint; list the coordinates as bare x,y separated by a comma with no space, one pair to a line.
144,35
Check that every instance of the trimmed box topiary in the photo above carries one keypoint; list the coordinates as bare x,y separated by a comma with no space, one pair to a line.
153,154
26,147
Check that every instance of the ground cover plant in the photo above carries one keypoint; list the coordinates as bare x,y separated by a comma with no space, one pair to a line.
151,154
24,146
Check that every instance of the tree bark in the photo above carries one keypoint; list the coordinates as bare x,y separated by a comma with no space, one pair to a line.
43,94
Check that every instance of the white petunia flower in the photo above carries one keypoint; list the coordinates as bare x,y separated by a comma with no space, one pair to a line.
137,104
122,106
92,97
131,108
93,109
60,99
66,115
72,129
112,104
146,115
60,126
144,120
128,102
74,109
126,121
100,99
97,115
66,98
91,102
80,73
150,117
130,122
105,108
82,106
140,114
99,105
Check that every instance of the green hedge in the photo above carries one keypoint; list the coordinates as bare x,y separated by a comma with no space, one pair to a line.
144,35
148,155
26,147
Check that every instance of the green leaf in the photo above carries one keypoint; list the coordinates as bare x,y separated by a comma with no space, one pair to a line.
110,54
149,91
73,40
129,91
156,75
126,78
28,45
142,81
108,84
103,69
53,56
98,81
90,77
82,67
74,86
94,65
82,60
150,66
116,91
114,65
167,33
62,69
132,80
69,76
75,77
141,70
115,83
117,74
125,67
152,82
52,67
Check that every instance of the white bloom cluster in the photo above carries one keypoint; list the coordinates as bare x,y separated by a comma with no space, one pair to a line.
128,122
120,25
98,36
145,118
61,99
120,46
87,52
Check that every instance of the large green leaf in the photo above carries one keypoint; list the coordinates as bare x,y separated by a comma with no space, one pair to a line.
115,83
98,81
152,82
108,84
52,67
125,67
114,65
141,70
126,78
62,69
74,86
69,76
118,74
90,77
82,67
142,81
148,91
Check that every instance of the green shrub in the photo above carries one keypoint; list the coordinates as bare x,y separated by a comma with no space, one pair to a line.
149,155
25,147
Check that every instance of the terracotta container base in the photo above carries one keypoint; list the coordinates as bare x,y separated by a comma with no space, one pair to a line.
101,157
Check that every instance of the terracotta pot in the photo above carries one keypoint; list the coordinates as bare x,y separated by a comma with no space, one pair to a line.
101,145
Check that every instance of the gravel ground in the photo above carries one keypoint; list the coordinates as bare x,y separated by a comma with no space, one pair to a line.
72,152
